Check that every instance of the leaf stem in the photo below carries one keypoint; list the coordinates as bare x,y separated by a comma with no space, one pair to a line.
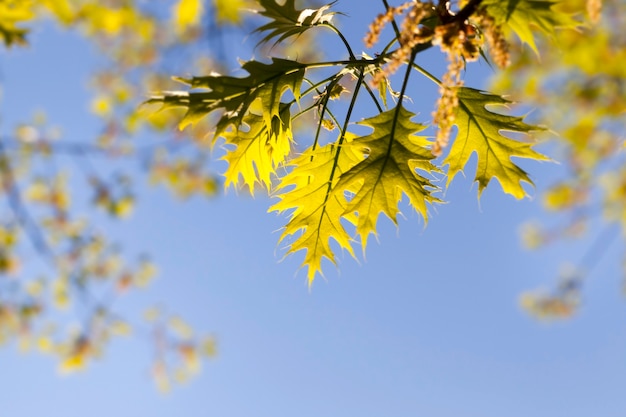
340,141
396,114
426,74
343,39
324,105
314,86
344,129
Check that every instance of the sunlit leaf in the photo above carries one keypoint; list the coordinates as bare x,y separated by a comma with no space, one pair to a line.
392,155
258,151
266,82
287,21
527,16
316,207
480,131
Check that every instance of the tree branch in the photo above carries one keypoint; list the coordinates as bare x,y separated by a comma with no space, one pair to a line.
467,11
446,16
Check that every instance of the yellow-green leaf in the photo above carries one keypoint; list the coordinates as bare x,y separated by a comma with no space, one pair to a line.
186,14
479,131
391,156
61,9
229,11
317,206
258,151
12,14
524,17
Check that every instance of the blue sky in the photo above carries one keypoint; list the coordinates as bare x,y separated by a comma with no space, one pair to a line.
428,325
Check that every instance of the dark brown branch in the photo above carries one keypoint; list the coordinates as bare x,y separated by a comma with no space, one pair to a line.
446,16
467,11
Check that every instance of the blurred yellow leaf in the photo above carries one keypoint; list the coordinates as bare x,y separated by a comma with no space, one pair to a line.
562,196
102,106
37,191
27,133
228,11
45,344
151,314
181,375
182,329
123,207
208,347
72,363
112,20
145,274
24,343
190,358
35,288
61,9
120,328
8,236
161,377
548,307
76,354
9,264
13,13
60,293
187,13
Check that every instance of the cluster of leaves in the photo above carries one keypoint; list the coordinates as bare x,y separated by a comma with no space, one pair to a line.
335,186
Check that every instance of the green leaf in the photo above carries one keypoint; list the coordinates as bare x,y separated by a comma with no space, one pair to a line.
287,21
525,16
392,154
265,144
309,191
265,82
480,131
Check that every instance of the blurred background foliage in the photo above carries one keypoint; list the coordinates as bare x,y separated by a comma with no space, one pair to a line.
574,84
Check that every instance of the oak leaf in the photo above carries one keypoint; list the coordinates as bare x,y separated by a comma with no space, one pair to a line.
391,157
479,131
524,17
266,82
309,191
287,21
258,151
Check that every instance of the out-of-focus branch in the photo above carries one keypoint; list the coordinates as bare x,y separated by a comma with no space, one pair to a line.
19,209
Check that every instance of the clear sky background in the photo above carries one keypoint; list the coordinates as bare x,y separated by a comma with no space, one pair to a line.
428,325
